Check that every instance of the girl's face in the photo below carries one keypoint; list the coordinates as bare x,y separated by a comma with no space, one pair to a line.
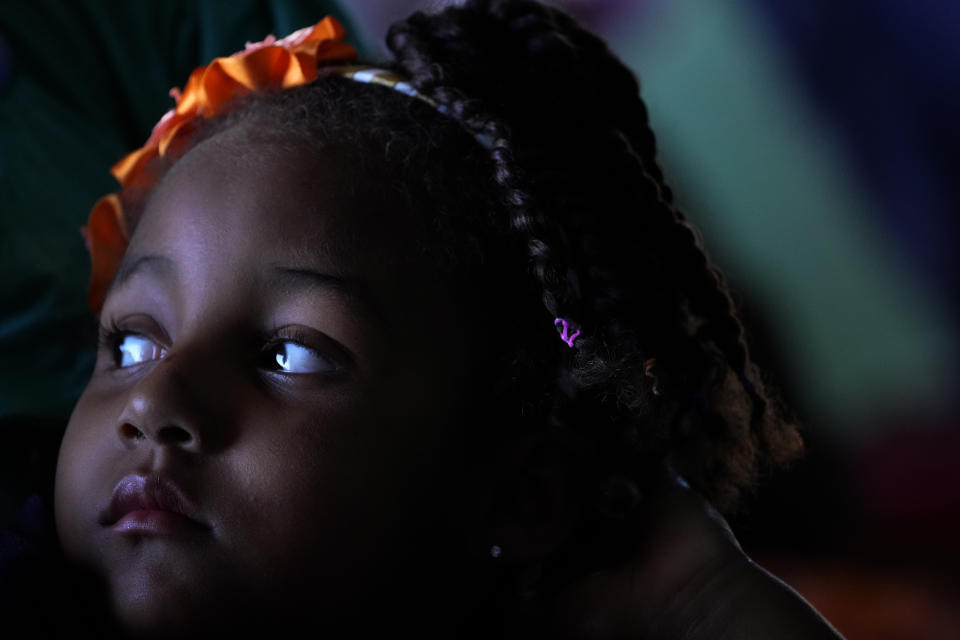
285,373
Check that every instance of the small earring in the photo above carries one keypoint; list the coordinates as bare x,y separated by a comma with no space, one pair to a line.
495,551
648,371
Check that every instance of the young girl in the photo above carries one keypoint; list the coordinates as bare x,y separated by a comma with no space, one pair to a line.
423,347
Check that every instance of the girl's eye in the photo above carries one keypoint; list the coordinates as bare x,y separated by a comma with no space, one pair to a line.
292,357
133,348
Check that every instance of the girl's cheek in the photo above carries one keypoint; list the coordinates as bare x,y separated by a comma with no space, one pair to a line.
80,464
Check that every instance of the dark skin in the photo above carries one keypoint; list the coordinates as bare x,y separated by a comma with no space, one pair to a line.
318,424
688,578
314,474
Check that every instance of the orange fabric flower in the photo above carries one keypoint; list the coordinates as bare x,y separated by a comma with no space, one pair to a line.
270,64
107,238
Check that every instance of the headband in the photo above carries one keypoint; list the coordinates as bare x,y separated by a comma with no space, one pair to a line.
268,65
392,80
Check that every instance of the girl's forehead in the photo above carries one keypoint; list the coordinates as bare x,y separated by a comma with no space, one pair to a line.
235,193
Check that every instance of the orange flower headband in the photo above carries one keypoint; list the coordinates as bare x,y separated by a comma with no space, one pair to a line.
271,64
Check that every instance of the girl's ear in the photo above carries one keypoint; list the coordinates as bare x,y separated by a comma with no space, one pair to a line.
537,490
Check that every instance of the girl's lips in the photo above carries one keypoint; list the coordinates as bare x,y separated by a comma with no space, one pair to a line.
150,505
155,523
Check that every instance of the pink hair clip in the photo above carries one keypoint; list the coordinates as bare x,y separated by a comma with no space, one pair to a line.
565,331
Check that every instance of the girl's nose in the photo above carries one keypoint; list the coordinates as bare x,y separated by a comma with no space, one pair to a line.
172,434
167,407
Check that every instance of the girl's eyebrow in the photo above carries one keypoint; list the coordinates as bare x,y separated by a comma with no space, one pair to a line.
355,292
352,290
160,265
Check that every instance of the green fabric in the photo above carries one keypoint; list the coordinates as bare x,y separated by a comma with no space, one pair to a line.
86,82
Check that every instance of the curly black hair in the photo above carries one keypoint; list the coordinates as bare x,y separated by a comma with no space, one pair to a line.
662,360
567,214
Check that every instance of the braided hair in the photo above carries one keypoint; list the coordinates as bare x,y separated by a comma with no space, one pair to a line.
567,214
664,359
